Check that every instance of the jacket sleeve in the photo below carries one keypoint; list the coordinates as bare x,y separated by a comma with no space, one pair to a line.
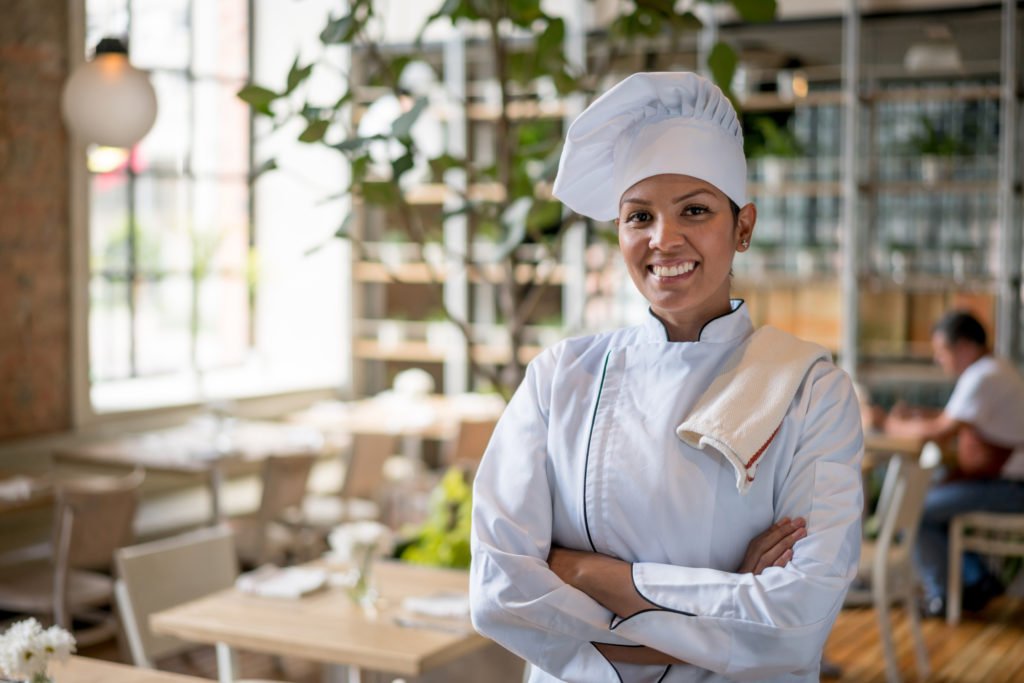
746,626
514,598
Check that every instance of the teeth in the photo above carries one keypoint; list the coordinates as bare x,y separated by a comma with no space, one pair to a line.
672,271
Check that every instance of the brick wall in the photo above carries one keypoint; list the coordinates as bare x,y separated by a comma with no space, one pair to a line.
35,315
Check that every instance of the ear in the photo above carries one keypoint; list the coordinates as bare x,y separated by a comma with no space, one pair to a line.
745,226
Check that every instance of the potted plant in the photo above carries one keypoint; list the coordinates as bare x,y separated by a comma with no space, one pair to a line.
936,149
772,145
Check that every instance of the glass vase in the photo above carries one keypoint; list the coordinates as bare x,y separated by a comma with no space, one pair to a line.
362,592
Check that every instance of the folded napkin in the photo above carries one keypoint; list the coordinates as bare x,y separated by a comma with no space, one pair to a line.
742,410
450,605
17,487
276,582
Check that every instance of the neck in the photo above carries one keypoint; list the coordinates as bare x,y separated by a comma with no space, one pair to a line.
687,329
968,357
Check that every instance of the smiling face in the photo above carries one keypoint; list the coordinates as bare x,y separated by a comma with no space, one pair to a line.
678,237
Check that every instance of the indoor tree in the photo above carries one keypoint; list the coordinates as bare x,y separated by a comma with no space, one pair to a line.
526,45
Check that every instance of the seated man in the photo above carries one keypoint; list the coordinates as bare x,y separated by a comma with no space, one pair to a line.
985,417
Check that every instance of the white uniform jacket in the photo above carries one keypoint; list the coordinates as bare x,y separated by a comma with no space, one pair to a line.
586,457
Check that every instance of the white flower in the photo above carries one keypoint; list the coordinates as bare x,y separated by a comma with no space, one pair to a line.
57,643
350,542
26,648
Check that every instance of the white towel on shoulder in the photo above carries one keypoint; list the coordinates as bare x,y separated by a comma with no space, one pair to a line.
742,410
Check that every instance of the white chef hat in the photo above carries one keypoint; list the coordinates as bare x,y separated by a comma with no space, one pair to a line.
648,124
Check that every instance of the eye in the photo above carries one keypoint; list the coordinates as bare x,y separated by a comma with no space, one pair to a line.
695,210
638,217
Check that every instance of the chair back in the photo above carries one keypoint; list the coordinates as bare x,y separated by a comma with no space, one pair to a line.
161,574
470,442
94,517
284,483
364,467
987,533
900,506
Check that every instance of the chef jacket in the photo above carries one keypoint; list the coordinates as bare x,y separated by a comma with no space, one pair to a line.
586,456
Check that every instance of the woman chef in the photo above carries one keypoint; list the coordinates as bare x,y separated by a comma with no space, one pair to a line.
620,511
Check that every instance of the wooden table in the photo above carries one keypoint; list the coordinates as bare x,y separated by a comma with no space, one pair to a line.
415,418
86,670
879,446
328,627
204,446
25,491
434,416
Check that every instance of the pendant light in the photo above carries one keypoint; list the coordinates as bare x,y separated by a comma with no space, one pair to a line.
108,101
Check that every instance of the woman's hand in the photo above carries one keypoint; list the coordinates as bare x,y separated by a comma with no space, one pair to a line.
774,547
606,579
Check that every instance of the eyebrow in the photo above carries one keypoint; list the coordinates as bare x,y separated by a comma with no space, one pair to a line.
680,198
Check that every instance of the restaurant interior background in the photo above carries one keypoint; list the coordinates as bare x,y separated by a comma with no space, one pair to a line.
183,278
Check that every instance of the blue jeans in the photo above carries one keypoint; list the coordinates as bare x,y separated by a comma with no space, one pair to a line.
943,502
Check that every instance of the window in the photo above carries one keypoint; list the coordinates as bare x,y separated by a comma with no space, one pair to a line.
200,283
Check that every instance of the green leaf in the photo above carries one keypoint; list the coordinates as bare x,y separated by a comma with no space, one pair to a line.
339,30
452,10
524,12
380,193
688,21
258,97
447,9
663,7
344,230
464,208
297,75
549,44
402,127
544,215
637,24
722,61
513,223
521,67
755,11
401,165
397,66
311,113
565,82
314,131
342,100
353,144
440,165
268,165
359,167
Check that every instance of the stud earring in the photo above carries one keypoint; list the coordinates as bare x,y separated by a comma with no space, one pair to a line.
744,244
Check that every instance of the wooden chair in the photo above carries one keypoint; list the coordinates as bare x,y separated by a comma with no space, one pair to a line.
988,533
364,481
267,535
161,574
92,518
885,564
470,442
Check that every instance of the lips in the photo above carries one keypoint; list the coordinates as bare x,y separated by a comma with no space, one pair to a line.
674,269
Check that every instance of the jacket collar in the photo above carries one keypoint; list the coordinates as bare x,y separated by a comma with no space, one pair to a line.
733,325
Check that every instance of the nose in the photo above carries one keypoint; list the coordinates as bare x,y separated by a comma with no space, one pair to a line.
666,234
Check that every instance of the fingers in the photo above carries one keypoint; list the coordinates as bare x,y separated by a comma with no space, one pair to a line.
782,552
773,548
777,532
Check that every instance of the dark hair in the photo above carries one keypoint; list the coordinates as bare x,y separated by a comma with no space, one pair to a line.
957,325
735,212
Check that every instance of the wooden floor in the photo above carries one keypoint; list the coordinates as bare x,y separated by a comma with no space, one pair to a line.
986,647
